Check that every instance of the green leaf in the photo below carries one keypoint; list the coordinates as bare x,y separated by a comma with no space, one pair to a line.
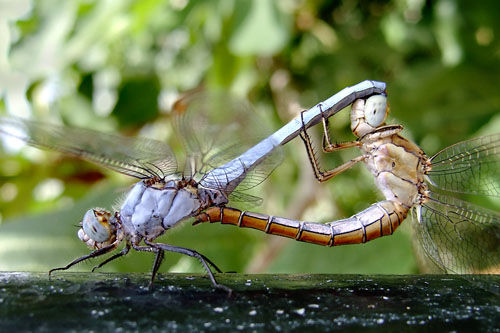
261,28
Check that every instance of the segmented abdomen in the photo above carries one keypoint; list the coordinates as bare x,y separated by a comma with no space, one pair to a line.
380,219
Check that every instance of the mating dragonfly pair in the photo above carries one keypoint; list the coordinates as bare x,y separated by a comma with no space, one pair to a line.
458,236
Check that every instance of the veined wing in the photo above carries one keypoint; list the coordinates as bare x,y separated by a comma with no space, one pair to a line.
471,166
260,159
217,128
137,157
458,236
250,200
251,174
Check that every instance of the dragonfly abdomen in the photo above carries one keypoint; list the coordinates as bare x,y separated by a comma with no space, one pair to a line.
378,220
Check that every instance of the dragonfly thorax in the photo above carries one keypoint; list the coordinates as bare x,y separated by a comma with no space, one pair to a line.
398,165
151,208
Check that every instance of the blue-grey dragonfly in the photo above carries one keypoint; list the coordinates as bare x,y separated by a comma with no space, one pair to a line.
215,166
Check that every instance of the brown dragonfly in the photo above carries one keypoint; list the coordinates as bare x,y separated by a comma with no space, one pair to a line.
459,236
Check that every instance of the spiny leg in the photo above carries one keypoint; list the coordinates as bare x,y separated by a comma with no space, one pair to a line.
192,253
96,253
327,145
158,259
160,254
331,147
123,252
326,134
321,175
153,249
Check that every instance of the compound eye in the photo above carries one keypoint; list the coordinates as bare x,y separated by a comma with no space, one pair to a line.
96,225
376,110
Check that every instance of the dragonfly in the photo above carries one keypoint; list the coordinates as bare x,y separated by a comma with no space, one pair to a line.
215,172
457,235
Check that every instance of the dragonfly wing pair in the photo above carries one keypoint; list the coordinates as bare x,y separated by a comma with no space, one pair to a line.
217,128
459,236
137,157
209,144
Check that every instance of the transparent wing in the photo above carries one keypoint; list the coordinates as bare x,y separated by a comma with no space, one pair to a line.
471,166
252,176
217,128
136,157
458,236
246,198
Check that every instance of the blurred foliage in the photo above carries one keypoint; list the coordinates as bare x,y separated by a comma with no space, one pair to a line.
119,65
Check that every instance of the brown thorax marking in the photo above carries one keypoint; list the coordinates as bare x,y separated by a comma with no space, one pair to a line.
155,182
159,183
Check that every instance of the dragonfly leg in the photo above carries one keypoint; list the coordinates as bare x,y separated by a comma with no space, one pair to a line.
327,144
123,252
154,249
331,147
160,254
321,175
326,133
204,260
96,253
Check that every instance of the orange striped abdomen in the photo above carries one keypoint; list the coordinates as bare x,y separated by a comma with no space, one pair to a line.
378,220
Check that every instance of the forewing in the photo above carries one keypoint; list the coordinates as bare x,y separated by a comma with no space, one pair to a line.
471,166
137,157
458,236
217,128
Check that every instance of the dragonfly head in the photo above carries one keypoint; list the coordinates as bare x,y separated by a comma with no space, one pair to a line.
367,115
99,228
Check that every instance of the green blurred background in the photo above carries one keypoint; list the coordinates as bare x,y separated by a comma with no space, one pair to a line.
118,66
